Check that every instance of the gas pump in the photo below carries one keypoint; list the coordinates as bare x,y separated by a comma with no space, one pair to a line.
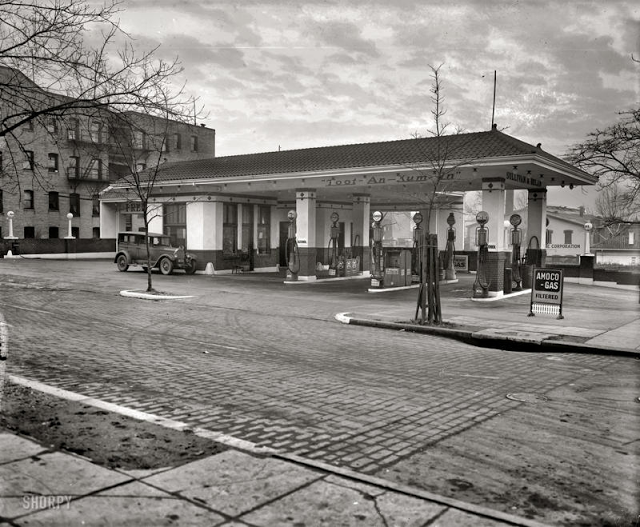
481,284
449,267
416,253
516,240
376,250
291,248
333,244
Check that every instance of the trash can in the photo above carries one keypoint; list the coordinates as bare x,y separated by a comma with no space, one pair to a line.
508,280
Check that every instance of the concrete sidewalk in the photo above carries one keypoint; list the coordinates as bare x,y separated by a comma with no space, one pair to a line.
44,487
596,319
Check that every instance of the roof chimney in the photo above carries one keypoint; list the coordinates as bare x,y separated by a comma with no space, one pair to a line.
581,209
539,145
494,127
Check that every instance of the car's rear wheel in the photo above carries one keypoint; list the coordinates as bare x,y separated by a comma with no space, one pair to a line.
122,263
190,268
166,266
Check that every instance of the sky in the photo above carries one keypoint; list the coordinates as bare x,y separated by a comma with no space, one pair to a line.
287,74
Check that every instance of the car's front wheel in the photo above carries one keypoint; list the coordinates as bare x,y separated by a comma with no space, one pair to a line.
166,266
190,267
122,263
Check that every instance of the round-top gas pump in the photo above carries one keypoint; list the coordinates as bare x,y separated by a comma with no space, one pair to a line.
481,284
449,267
516,240
333,244
376,250
416,256
291,248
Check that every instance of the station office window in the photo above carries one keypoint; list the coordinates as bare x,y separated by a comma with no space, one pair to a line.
175,222
54,203
229,229
194,143
568,235
632,237
54,233
264,229
28,199
29,232
177,141
75,232
28,163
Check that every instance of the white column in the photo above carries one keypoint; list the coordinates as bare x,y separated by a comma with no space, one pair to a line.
536,218
108,220
154,214
239,230
493,204
306,232
204,226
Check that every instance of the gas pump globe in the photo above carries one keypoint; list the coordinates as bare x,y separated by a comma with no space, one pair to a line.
333,244
449,267
376,249
481,284
516,241
291,248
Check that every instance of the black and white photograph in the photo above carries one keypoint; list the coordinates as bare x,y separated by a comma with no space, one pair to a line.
342,263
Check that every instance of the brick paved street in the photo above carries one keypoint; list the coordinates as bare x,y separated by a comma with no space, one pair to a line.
262,362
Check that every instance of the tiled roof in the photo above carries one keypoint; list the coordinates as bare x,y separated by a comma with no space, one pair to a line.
471,146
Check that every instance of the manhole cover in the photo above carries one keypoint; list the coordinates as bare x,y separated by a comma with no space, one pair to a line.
526,397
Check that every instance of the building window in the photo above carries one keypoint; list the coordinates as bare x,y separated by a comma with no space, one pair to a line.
53,162
29,125
27,199
632,238
1,205
128,222
73,170
95,170
54,233
549,237
96,232
230,229
27,164
73,130
175,222
264,229
194,143
74,204
0,162
75,232
95,132
29,232
177,141
141,166
568,235
165,144
52,125
54,202
95,207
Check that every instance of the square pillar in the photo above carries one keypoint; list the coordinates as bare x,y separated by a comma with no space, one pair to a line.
536,218
493,201
306,232
156,221
361,226
493,194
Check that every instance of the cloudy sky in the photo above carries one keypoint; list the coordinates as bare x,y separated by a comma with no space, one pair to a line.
293,74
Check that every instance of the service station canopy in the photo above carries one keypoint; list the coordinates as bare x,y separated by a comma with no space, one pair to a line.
395,174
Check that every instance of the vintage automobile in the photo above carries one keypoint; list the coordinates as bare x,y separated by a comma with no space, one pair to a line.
131,250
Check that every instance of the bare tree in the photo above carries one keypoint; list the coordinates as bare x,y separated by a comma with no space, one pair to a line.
437,169
48,73
613,154
614,207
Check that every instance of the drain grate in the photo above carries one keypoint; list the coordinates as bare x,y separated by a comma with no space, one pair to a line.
527,397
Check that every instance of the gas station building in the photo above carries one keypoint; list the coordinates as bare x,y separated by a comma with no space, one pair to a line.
233,210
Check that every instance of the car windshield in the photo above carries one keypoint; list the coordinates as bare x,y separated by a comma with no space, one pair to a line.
160,240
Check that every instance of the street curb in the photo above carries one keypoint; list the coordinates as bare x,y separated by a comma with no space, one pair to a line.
471,508
261,451
149,296
471,337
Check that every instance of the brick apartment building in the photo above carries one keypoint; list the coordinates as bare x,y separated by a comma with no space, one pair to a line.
55,165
